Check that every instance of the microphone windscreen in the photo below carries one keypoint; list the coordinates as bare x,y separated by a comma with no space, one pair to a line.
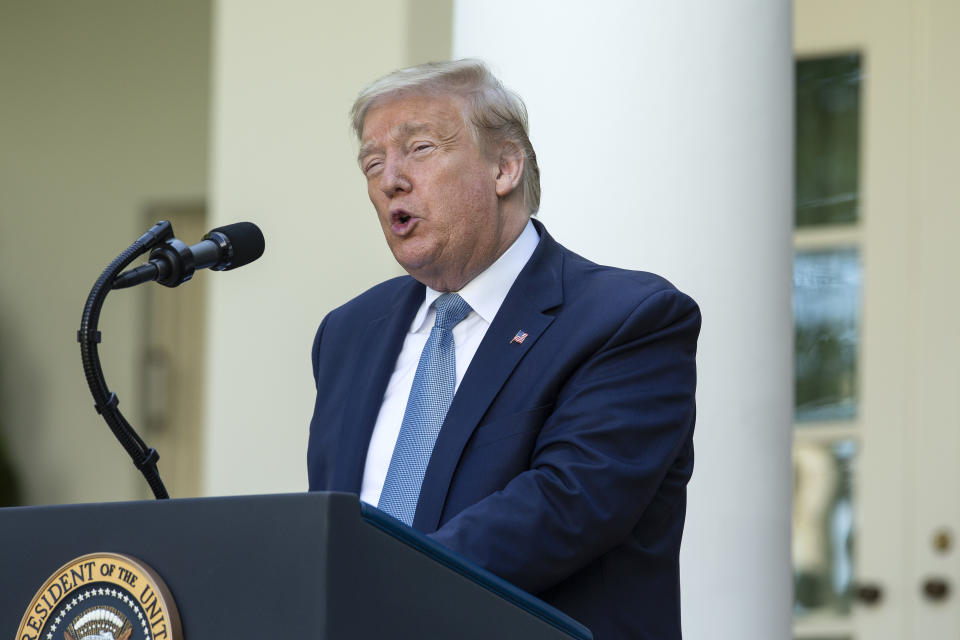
246,240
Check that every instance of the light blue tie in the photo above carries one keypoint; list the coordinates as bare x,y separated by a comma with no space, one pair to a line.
430,398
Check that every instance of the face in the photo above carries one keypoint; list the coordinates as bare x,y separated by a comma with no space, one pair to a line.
437,194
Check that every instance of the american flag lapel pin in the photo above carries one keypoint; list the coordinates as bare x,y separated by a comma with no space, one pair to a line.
520,337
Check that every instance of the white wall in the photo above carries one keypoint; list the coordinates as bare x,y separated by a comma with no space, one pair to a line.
664,137
103,111
283,157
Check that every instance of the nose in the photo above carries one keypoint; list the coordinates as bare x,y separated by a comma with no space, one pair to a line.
393,179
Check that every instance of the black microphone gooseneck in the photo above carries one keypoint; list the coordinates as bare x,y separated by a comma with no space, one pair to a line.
104,400
171,263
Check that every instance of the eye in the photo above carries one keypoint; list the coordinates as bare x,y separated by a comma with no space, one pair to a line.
371,166
422,146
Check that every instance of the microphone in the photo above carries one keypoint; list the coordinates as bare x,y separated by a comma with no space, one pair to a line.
173,263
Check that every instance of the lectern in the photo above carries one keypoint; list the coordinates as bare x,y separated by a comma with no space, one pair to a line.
305,566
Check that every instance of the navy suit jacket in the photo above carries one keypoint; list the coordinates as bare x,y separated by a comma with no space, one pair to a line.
563,461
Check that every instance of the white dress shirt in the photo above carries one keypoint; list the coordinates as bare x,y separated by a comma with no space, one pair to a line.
484,294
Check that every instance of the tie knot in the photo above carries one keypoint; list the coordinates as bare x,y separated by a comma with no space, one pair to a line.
451,309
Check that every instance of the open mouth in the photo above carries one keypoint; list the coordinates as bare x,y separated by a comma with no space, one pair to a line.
402,222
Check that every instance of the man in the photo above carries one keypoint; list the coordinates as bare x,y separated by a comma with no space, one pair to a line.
561,462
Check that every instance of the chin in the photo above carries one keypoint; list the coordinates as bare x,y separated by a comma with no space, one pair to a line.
412,258
416,268
423,274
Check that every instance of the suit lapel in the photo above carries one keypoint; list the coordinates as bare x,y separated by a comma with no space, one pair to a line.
537,289
374,363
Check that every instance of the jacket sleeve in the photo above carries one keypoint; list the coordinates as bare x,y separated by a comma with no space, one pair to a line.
611,461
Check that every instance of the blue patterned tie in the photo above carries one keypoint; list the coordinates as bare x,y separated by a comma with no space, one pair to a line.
430,398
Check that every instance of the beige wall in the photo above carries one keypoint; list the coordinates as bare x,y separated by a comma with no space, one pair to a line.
283,157
105,112
103,109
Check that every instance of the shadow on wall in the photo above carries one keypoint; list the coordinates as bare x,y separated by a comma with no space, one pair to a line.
9,484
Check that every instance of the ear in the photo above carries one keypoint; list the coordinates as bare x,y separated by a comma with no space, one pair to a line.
509,169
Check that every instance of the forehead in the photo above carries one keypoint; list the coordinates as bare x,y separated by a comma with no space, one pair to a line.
400,116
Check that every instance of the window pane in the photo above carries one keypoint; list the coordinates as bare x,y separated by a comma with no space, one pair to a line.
826,312
823,527
828,140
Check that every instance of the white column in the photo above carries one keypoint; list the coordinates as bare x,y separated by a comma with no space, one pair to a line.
664,135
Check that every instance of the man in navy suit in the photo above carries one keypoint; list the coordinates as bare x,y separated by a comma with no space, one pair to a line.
561,463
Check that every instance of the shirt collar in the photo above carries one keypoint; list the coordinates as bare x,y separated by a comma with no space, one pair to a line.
487,291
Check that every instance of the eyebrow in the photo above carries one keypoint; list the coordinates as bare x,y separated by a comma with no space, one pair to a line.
402,130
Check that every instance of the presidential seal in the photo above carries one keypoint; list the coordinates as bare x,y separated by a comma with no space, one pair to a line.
102,596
